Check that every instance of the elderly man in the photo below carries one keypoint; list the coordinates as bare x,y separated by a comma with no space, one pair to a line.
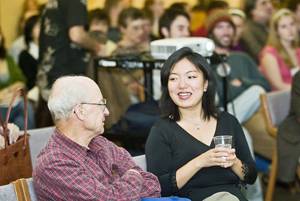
78,163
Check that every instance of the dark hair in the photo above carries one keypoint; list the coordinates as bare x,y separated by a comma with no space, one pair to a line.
168,17
99,15
179,6
2,46
249,6
28,28
129,13
217,4
168,107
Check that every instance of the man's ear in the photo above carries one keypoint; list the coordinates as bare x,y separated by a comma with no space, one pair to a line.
165,32
79,112
122,29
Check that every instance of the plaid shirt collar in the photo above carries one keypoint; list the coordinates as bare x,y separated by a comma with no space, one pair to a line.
66,142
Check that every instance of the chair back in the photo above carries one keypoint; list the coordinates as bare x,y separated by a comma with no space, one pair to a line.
38,140
141,161
276,106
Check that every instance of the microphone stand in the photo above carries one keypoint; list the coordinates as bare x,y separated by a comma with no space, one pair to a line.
223,70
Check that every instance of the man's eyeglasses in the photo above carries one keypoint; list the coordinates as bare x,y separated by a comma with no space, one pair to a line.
103,102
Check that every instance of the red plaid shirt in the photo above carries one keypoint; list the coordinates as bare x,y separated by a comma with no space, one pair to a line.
67,171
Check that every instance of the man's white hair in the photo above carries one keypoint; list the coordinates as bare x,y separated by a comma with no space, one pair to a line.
66,93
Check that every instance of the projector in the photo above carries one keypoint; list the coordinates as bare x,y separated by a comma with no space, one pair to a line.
163,48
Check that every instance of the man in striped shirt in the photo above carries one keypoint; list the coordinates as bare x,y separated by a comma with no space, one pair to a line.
78,163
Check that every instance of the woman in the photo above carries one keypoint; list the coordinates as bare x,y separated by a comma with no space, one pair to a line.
179,149
280,59
28,59
11,79
154,9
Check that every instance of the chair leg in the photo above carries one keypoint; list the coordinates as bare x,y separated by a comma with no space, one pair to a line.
272,177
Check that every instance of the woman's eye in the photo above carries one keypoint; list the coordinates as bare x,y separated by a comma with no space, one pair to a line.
192,76
172,78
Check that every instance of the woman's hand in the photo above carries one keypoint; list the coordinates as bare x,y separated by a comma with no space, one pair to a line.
219,156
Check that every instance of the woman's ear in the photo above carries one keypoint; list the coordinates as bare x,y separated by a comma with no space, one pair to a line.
165,32
205,86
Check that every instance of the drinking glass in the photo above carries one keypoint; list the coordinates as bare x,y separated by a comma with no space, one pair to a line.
223,141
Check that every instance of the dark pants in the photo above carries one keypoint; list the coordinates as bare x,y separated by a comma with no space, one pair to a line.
43,115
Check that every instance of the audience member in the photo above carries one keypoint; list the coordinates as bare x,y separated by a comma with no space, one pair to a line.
244,82
28,59
238,18
288,140
131,24
174,23
113,9
191,166
63,46
125,87
12,79
99,24
255,34
212,5
294,5
78,163
155,9
280,59
30,8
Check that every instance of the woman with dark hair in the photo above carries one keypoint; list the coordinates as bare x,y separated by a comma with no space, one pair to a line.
28,59
180,150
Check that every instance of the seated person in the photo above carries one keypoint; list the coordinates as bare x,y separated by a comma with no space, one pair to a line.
180,148
98,28
288,140
280,58
78,163
28,59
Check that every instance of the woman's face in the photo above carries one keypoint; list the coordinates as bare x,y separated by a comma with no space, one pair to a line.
36,32
286,28
157,8
186,85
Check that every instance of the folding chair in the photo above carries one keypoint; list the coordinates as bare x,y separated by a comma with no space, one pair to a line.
276,107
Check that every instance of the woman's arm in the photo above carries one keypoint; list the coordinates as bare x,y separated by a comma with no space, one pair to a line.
272,72
213,157
243,164
159,154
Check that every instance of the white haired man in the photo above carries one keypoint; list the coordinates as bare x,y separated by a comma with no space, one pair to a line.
78,163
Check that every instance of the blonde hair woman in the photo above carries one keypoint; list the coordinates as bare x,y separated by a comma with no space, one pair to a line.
280,58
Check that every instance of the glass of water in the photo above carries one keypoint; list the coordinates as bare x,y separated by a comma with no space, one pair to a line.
223,141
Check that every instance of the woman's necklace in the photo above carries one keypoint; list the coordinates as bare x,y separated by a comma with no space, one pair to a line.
195,125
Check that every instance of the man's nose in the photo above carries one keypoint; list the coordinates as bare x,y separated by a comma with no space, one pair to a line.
106,111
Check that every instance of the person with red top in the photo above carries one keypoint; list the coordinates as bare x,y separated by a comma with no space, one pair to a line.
280,58
78,163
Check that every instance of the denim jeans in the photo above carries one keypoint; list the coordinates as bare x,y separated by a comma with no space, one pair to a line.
17,115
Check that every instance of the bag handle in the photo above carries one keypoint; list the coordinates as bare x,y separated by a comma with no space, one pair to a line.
17,93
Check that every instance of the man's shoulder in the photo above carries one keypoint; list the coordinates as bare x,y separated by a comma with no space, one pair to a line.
54,152
239,55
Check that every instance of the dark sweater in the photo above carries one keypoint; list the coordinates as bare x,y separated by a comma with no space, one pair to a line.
169,147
